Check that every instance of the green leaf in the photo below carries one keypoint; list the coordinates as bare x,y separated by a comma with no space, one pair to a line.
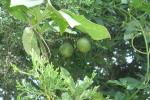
6,3
20,12
97,32
131,28
29,41
69,19
98,96
116,82
137,3
130,83
65,96
124,1
58,19
146,7
127,82
141,5
35,15
65,72
128,36
44,27
120,96
68,79
82,85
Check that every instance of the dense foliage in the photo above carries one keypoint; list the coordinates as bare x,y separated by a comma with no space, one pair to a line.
121,63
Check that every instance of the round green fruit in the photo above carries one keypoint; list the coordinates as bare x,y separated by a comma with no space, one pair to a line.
66,50
84,45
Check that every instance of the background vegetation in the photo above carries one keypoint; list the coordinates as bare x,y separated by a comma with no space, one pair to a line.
121,63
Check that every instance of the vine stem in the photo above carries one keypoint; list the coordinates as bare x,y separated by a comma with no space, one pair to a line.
147,51
132,43
148,63
46,45
147,55
49,51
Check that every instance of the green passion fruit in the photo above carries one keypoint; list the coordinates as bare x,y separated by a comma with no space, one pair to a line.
66,49
84,45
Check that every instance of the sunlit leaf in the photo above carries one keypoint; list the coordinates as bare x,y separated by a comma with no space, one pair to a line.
20,12
120,96
97,32
27,3
69,19
141,5
58,19
29,41
65,96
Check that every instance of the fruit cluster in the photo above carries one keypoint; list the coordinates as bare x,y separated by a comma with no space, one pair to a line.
83,45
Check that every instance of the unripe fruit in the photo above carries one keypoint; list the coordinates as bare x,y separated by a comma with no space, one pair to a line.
84,45
66,50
